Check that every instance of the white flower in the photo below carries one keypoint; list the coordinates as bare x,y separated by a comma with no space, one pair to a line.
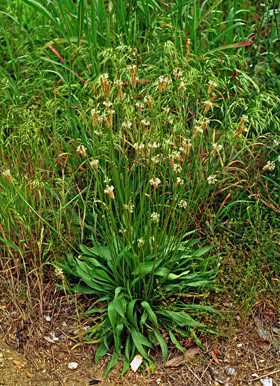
118,83
94,163
217,147
155,159
138,146
94,111
145,122
212,179
110,190
183,204
179,181
177,168
129,207
140,242
270,165
59,272
166,110
155,217
107,104
153,145
127,124
103,77
169,142
81,150
155,182
278,158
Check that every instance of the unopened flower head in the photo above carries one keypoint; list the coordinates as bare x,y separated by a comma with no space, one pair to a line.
110,191
212,179
155,217
82,150
155,182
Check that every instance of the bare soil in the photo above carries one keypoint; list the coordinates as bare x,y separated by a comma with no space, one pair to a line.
31,354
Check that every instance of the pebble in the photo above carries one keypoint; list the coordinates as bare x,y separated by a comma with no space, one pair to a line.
29,375
16,362
72,365
230,371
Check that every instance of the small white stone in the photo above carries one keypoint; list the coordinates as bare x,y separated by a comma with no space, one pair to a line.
230,371
72,365
266,381
239,345
48,318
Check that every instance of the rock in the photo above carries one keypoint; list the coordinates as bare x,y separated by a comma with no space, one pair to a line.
266,381
72,365
230,371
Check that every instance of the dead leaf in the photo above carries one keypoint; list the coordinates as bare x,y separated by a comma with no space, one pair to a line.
213,355
178,361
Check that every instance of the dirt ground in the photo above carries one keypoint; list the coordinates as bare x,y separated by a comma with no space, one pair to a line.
40,354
